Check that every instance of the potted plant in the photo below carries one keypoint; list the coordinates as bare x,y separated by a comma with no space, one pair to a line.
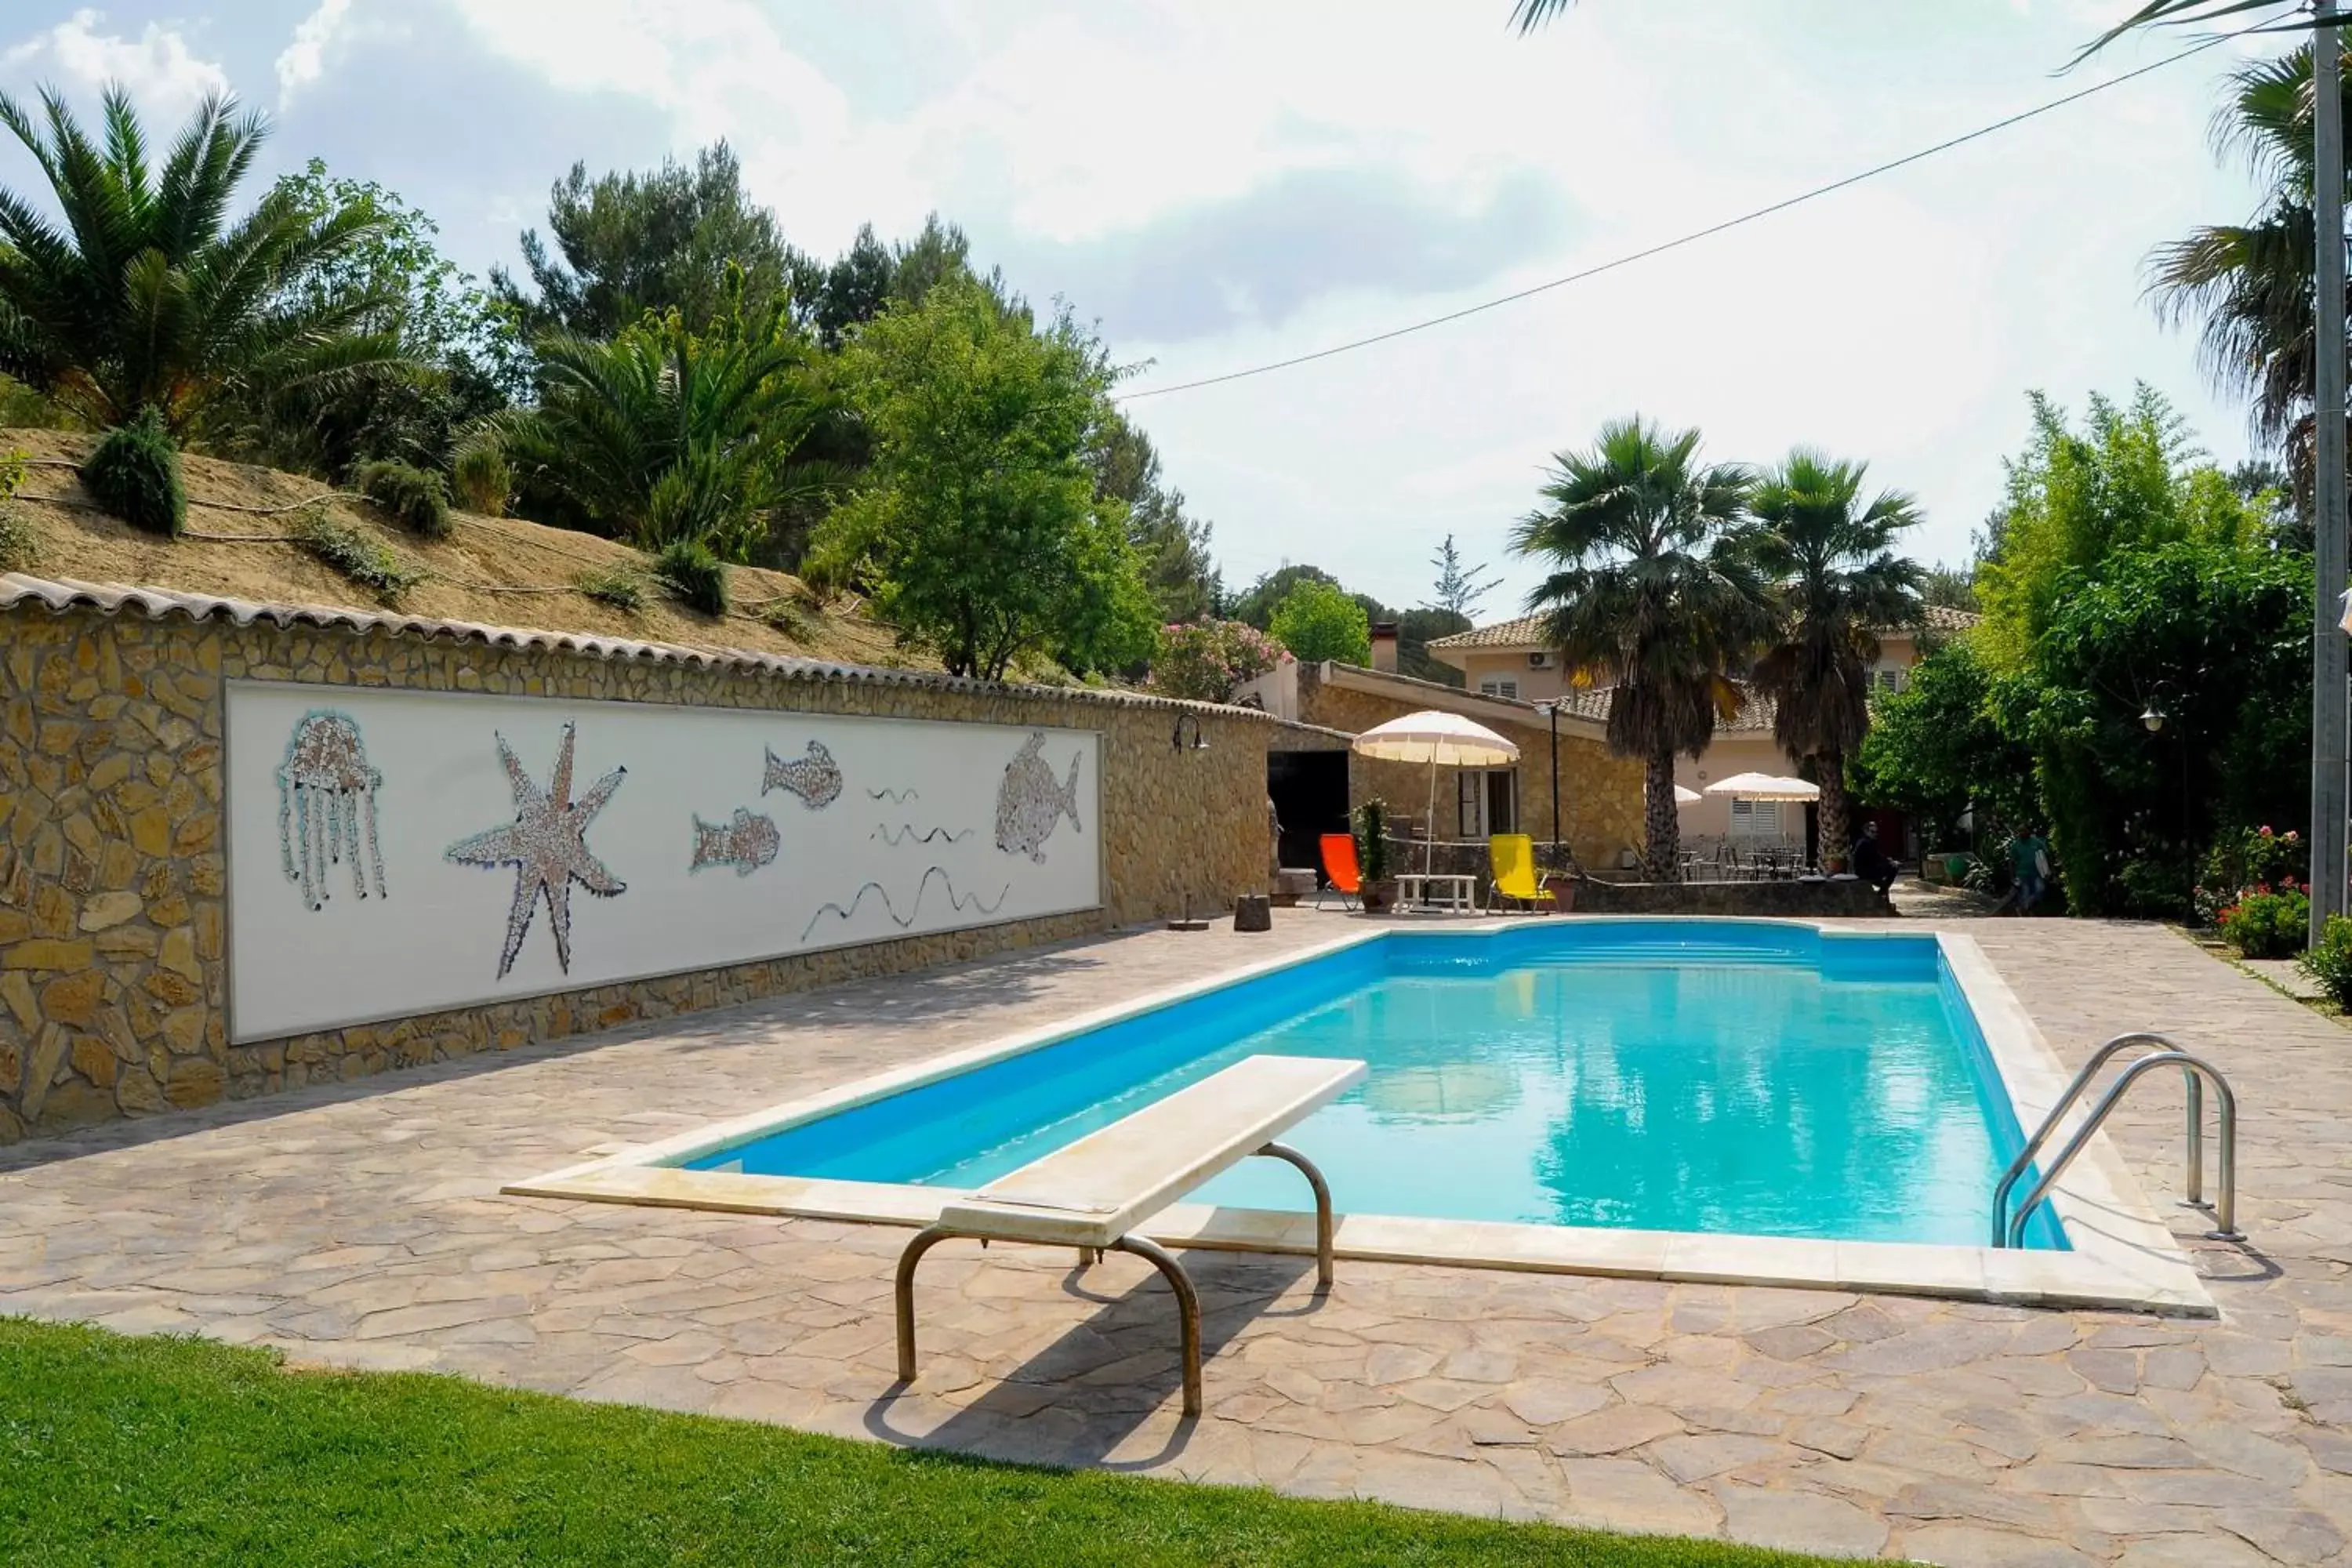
1559,875
1373,856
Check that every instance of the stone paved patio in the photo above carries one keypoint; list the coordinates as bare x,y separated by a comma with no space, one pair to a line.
361,1227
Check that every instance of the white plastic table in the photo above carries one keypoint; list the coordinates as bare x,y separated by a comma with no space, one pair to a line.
1449,889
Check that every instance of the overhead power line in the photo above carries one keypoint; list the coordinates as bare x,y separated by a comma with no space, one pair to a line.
1694,236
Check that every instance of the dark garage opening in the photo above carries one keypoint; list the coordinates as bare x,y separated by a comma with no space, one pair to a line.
1309,790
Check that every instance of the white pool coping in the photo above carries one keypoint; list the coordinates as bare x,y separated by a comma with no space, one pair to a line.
2124,1257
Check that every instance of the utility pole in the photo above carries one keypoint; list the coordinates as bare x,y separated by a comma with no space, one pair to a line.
2329,689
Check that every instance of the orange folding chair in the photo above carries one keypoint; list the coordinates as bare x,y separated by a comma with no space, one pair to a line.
1340,870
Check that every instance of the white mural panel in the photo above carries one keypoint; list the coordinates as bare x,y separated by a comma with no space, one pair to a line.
393,853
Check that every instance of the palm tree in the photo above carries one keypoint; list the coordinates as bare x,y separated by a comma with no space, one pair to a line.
1653,591
149,297
2252,283
660,434
1838,580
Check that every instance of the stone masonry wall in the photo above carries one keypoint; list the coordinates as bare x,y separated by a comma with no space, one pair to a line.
112,919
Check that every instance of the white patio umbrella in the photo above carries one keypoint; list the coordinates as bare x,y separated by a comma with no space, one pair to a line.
1434,737
1686,797
1764,786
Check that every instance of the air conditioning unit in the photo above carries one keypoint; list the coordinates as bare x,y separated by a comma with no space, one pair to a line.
1539,661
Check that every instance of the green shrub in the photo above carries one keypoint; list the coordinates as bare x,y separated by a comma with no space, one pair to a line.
2267,924
18,545
482,477
418,497
1205,661
2154,886
786,615
135,473
2245,860
619,586
366,560
693,574
1372,841
2330,963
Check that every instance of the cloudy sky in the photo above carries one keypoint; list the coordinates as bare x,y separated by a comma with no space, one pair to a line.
1224,182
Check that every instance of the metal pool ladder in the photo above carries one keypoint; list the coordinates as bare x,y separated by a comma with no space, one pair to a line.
2009,1228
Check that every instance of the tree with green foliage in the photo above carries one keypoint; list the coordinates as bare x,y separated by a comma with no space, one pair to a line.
663,433
1950,587
467,356
1652,589
980,530
1172,546
2131,478
1459,588
151,297
1838,580
626,243
1317,621
1416,629
2213,641
1936,750
870,276
1260,599
2266,488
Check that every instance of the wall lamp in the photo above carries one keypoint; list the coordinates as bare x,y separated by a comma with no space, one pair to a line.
1199,744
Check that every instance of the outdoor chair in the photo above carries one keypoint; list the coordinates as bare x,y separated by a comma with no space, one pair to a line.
1339,870
1512,857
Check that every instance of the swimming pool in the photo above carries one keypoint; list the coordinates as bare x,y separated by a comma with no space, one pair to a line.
1717,1077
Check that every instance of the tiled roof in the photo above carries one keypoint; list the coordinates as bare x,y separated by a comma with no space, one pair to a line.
62,596
1592,702
1527,631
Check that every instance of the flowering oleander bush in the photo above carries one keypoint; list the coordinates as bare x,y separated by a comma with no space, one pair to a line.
2267,923
1207,661
2241,862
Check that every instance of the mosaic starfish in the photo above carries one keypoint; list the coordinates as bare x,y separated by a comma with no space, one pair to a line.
548,847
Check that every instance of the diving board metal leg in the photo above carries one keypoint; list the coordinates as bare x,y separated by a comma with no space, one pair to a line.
1187,1303
1188,1308
924,1241
1322,1208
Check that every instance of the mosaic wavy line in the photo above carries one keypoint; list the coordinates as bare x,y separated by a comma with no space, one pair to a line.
958,901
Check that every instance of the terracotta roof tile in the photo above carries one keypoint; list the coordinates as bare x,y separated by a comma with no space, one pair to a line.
63,595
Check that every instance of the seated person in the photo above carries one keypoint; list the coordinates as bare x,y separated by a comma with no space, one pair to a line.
1870,862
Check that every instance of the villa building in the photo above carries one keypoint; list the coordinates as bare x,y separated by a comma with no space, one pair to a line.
1510,661
1566,785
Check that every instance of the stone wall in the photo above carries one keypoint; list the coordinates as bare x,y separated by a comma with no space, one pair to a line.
1600,794
1839,898
112,927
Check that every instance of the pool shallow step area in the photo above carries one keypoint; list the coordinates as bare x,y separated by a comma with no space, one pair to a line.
1728,1101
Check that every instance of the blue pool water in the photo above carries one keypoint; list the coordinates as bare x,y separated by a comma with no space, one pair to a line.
1683,1075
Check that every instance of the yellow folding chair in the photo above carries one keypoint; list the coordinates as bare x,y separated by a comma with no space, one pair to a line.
1512,857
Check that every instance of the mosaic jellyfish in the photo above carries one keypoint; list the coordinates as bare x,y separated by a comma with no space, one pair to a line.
326,801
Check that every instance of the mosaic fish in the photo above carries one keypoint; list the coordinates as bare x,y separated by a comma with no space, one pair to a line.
1031,803
745,843
813,777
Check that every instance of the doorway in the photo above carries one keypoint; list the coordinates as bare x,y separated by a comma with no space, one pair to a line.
1309,791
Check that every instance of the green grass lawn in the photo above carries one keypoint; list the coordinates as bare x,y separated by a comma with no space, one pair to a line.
178,1452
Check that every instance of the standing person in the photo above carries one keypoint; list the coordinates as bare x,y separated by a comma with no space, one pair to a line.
2029,857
